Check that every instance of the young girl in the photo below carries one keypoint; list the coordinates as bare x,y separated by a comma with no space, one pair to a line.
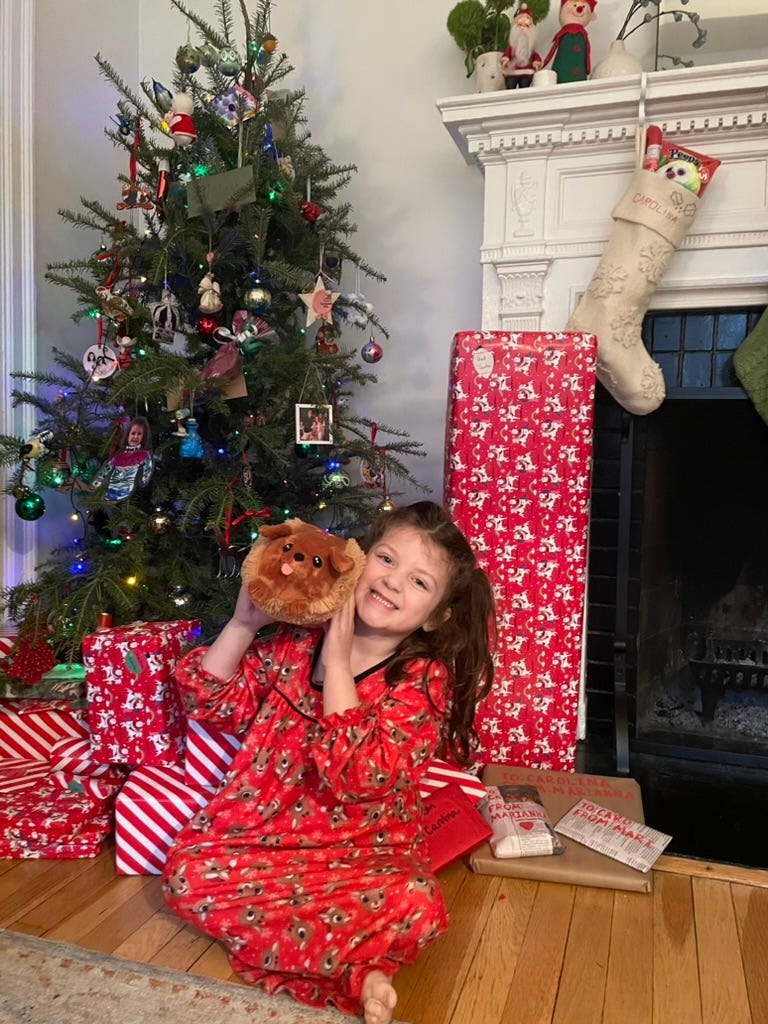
309,863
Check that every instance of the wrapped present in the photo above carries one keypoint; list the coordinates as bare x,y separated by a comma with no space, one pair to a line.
209,753
73,756
150,809
134,710
30,728
517,482
17,773
51,821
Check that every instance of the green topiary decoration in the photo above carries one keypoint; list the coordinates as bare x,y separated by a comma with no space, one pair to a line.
484,27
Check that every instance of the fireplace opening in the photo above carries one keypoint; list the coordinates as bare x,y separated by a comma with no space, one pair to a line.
702,635
677,627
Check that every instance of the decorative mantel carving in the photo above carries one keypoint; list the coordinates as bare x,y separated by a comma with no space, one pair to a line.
556,160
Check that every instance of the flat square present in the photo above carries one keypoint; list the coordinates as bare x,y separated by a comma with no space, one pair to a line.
517,483
579,865
134,710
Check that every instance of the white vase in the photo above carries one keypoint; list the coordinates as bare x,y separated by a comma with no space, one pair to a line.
617,62
488,72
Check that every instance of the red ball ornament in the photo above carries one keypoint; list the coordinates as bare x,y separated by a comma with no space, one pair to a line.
371,351
311,211
206,325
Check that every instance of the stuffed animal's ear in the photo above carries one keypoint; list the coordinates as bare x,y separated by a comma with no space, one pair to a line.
280,530
341,561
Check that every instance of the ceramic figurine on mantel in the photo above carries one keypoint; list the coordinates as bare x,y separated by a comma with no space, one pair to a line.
569,56
520,60
620,62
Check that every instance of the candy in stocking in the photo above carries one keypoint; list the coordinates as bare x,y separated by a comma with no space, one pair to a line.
650,221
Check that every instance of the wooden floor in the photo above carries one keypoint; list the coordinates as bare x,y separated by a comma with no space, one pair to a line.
518,952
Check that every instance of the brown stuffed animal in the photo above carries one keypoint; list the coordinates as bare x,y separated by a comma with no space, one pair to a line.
299,573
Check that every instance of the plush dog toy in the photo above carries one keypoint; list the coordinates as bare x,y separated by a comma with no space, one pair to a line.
299,573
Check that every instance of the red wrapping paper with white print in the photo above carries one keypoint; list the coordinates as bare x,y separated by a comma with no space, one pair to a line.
47,820
150,809
29,728
134,710
210,752
88,842
517,482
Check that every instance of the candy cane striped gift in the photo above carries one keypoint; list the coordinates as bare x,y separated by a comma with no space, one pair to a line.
209,753
21,773
73,756
150,809
30,728
439,774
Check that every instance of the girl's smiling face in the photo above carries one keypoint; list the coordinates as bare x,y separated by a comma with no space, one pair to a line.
135,435
405,578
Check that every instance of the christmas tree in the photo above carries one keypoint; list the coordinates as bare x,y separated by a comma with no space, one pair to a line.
215,390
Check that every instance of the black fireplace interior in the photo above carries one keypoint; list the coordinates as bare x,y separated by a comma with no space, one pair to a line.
677,645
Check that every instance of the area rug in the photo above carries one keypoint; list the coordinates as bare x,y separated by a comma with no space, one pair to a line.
45,982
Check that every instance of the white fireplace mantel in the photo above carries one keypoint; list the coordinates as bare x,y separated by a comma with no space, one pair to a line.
556,160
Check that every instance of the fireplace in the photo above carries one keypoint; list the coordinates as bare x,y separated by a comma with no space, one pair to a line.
555,161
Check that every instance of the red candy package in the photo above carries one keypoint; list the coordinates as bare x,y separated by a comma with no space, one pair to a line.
685,166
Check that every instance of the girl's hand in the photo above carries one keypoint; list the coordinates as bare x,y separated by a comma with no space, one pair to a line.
247,615
337,646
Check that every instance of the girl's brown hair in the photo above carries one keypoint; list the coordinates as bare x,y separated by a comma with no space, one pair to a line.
463,640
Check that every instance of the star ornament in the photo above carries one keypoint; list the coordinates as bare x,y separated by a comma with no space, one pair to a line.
319,302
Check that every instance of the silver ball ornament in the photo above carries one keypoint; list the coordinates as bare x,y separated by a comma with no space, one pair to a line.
258,298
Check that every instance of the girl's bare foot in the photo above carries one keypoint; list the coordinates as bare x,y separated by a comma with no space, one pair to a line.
379,998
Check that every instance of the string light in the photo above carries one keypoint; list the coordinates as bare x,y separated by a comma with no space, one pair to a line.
131,581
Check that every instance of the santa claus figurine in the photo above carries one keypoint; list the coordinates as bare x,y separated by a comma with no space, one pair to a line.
569,52
520,59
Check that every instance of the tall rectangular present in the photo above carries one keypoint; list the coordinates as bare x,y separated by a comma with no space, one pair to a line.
134,710
517,482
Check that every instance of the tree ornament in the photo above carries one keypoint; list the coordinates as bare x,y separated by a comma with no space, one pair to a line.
159,521
180,597
163,97
32,657
319,302
166,317
205,327
209,291
191,446
324,341
209,54
188,58
229,62
52,473
235,105
162,187
20,491
131,466
269,43
114,306
258,299
30,507
100,361
337,480
38,445
181,128
371,351
387,505
311,212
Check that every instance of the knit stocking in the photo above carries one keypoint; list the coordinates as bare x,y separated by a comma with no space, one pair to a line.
651,220
750,361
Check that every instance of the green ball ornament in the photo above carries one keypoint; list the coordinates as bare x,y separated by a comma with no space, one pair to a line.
208,55
30,508
188,58
258,299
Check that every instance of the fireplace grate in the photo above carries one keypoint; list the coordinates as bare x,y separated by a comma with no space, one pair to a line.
719,664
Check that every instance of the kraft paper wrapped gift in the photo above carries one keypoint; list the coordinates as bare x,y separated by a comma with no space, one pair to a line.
150,809
579,865
517,482
209,754
134,710
29,728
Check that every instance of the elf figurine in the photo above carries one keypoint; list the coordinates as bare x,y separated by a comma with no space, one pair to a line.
569,52
131,466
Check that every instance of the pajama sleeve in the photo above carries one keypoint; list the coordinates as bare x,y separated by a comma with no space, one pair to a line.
363,752
229,704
